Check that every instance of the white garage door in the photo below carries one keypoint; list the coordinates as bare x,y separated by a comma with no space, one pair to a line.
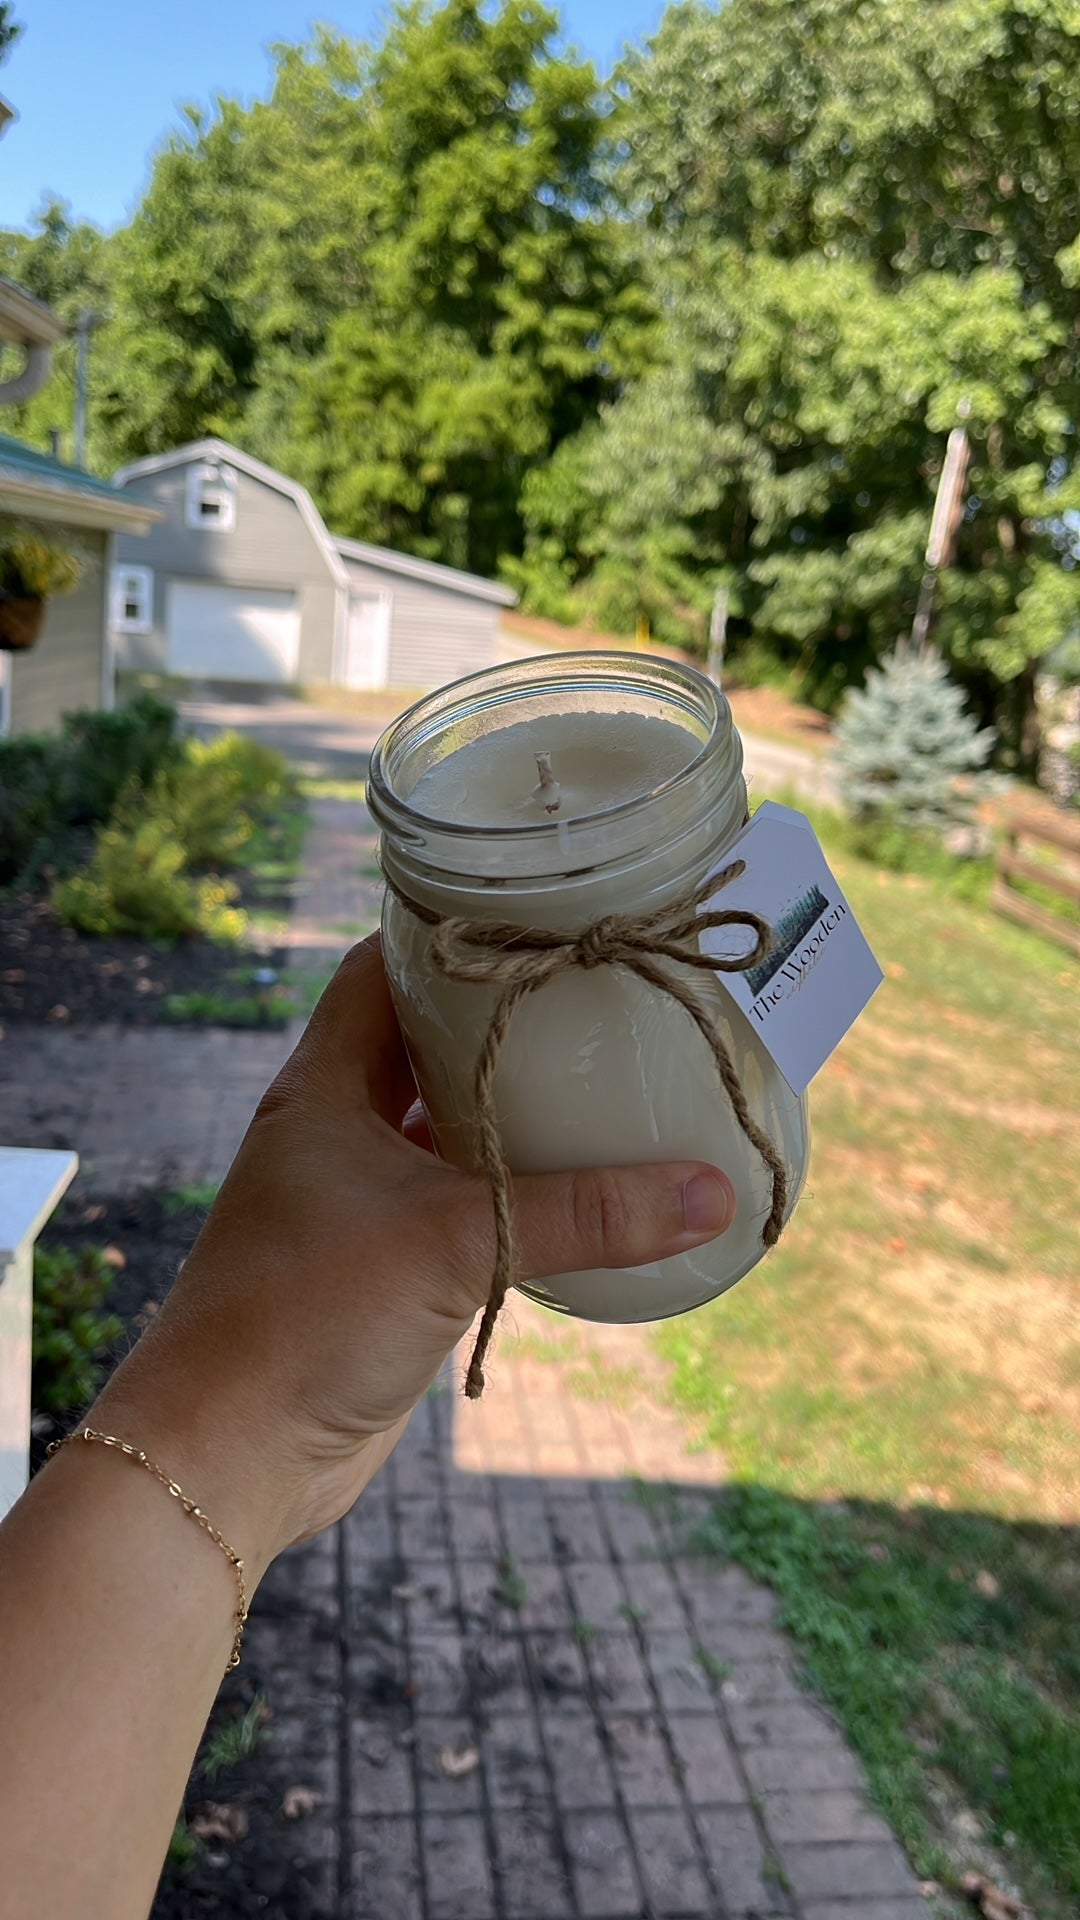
232,633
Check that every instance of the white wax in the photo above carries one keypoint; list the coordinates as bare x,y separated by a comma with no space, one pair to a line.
599,1068
599,760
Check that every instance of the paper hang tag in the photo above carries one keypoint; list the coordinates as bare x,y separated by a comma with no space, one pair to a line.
820,974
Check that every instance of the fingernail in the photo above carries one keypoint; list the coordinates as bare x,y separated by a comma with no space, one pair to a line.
708,1203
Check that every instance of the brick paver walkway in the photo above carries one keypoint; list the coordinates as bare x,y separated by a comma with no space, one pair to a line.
520,1697
143,1106
515,1689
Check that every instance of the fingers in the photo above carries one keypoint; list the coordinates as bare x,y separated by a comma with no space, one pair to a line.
352,1045
618,1216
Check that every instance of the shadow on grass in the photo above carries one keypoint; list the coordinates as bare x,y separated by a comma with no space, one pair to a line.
948,1645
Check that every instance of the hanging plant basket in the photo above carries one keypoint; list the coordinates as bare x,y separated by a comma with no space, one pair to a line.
22,617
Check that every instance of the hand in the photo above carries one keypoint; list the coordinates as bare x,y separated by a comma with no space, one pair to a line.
340,1265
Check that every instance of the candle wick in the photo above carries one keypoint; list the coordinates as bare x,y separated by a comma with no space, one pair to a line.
548,790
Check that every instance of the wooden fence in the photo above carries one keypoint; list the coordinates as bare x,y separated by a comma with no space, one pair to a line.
1044,851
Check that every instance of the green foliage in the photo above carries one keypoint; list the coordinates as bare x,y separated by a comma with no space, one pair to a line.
398,276
893,846
905,742
510,1589
10,31
896,847
50,785
494,302
66,264
939,1638
31,809
71,1332
199,805
234,1740
229,1009
212,796
198,810
845,268
200,1196
137,882
709,325
184,1847
213,793
33,566
103,754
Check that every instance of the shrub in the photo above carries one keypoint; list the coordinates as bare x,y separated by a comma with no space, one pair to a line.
137,883
103,753
211,796
888,842
753,662
259,775
71,1333
50,785
31,805
169,808
905,742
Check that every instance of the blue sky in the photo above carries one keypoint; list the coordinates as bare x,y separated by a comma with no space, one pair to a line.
97,87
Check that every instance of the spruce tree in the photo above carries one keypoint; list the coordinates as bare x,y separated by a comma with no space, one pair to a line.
904,741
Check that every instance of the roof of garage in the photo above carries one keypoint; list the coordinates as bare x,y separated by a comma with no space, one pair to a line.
337,550
450,578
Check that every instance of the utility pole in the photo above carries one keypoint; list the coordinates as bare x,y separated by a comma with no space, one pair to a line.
944,527
718,636
86,324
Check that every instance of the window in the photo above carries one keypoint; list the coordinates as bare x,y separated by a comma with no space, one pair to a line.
211,496
132,599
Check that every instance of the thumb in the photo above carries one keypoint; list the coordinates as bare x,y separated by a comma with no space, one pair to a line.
618,1216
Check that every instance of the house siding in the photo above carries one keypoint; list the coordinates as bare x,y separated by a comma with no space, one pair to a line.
64,671
435,635
269,545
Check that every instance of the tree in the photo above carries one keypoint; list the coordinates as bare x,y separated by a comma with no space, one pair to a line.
497,306
905,741
844,265
397,277
10,31
180,358
66,264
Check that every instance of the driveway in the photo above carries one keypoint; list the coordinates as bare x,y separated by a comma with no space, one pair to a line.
321,742
335,743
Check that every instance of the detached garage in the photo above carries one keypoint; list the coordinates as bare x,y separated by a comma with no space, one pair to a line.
240,582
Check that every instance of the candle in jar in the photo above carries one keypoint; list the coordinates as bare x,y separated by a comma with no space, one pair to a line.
599,1068
597,761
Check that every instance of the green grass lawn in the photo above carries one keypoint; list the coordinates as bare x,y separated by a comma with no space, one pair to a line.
896,1392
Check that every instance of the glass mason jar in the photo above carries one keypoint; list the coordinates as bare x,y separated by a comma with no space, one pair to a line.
599,1068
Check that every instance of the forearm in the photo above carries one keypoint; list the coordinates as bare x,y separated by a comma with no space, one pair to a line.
339,1266
117,1618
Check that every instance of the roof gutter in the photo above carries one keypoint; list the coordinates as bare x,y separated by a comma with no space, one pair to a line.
28,323
72,507
24,385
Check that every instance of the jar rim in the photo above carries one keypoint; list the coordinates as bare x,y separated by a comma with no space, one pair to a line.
681,684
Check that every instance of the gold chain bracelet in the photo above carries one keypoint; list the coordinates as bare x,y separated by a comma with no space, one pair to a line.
189,1506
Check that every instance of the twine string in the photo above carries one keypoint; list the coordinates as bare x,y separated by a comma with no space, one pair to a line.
522,959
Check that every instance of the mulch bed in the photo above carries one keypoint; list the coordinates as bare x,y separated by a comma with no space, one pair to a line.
50,973
250,1859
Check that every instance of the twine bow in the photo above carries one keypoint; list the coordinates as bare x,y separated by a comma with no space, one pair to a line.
522,959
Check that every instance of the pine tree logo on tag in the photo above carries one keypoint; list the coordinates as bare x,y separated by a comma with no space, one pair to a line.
801,931
800,1008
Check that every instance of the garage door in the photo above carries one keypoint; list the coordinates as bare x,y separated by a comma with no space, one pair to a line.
232,633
